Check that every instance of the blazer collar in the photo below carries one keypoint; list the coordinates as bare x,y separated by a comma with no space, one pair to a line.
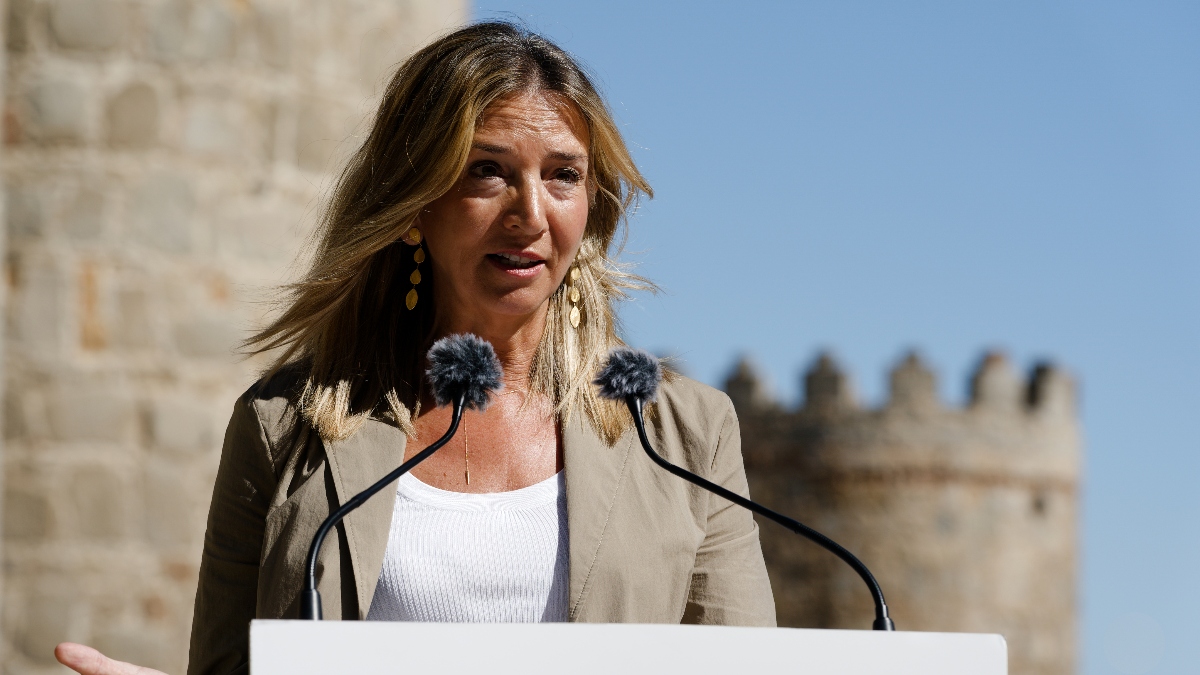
356,463
595,476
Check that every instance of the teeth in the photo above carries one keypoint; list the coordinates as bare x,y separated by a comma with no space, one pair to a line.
514,259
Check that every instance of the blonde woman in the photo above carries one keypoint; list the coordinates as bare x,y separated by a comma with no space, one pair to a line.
485,200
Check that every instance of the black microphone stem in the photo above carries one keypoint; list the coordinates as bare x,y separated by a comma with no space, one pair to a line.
882,621
310,598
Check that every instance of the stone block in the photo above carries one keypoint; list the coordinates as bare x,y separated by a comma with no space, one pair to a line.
88,25
322,132
266,232
37,302
209,337
213,32
83,218
169,512
826,388
133,328
746,389
913,386
90,313
184,572
995,387
47,621
1051,392
27,512
154,607
16,33
273,36
97,496
14,417
90,411
149,647
58,115
25,408
23,211
383,48
203,31
160,212
212,127
133,117
182,425
168,24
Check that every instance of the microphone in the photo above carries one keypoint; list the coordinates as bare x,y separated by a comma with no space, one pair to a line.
464,372
632,375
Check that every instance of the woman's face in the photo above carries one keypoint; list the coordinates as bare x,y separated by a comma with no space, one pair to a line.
502,239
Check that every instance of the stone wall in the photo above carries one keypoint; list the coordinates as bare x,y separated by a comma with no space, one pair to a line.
967,517
162,162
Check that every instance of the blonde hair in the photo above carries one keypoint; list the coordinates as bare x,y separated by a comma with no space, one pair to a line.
344,325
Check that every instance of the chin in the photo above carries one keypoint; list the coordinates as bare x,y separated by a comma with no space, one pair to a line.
523,302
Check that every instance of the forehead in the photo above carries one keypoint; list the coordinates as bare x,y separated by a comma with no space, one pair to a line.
534,115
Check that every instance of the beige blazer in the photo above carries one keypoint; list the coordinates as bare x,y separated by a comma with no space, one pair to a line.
645,546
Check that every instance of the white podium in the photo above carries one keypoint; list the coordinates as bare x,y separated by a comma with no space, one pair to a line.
331,647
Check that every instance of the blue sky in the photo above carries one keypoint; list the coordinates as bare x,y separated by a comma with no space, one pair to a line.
873,177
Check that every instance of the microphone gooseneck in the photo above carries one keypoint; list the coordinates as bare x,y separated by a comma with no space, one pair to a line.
464,372
633,375
310,598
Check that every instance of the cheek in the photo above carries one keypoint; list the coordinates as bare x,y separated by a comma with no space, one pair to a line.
571,224
450,228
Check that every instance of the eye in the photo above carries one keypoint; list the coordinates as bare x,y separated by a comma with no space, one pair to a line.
484,170
568,175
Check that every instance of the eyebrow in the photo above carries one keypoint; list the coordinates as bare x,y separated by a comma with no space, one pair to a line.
494,149
501,150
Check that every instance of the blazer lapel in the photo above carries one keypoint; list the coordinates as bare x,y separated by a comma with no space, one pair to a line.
595,476
356,463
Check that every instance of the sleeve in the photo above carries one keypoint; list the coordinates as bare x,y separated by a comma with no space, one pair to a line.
729,579
227,593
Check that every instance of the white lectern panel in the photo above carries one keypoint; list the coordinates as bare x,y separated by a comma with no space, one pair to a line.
328,647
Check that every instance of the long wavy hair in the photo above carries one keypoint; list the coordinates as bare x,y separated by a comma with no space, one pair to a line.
345,327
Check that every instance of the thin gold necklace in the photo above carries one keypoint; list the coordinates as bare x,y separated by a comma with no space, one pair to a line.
467,454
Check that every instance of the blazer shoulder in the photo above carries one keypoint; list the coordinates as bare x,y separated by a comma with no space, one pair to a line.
684,393
696,408
272,400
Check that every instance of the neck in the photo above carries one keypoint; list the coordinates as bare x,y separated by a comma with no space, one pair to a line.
515,340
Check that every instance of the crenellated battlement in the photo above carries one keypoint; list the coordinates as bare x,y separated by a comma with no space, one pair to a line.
1023,428
994,387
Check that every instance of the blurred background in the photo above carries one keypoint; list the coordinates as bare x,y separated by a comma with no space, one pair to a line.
861,180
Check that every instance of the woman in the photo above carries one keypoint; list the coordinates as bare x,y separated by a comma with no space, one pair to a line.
485,200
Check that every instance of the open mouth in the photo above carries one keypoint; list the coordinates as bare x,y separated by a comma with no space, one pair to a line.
514,262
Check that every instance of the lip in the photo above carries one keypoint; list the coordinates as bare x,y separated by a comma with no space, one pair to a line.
517,272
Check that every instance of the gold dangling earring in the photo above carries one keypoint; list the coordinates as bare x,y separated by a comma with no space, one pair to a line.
413,238
573,296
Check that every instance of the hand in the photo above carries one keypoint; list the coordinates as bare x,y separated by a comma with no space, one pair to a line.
87,661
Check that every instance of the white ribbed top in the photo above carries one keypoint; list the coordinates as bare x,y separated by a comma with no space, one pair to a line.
497,557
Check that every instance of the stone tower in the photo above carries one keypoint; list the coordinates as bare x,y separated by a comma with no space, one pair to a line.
162,163
967,517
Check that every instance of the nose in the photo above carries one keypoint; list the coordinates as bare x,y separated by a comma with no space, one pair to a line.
527,206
